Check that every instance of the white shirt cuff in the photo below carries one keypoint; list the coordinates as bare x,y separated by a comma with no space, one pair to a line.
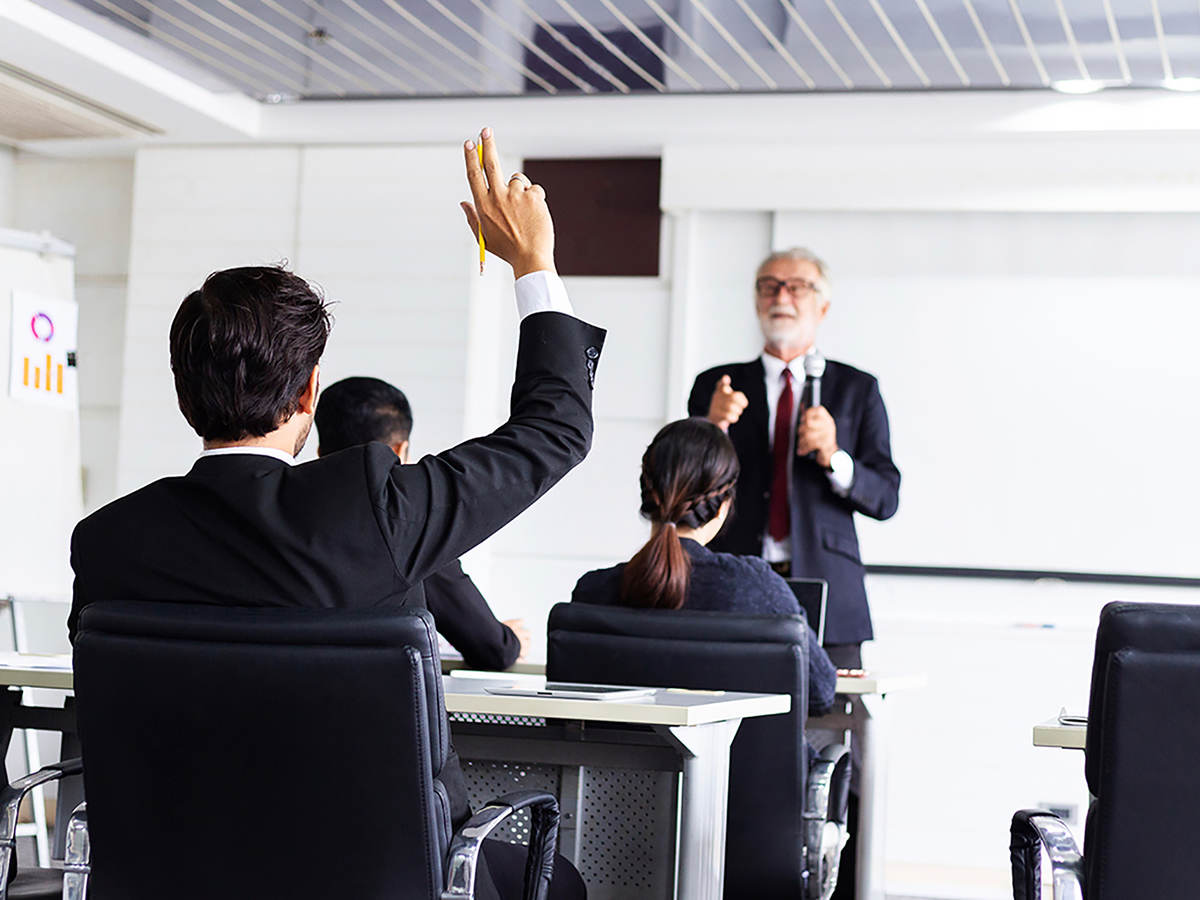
542,292
841,479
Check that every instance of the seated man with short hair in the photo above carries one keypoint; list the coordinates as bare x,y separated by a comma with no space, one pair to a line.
248,527
360,410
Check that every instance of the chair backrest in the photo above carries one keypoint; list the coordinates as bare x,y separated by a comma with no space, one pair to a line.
1143,743
233,752
714,651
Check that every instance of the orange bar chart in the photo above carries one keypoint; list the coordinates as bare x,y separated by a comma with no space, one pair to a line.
53,371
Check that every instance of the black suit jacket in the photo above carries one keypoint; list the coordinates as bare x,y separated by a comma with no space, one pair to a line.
464,618
355,528
823,538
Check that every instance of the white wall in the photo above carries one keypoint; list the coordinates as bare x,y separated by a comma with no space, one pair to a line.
378,229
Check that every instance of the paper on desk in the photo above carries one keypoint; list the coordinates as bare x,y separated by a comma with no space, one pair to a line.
56,662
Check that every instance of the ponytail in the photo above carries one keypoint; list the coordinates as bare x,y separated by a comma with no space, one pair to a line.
657,577
688,472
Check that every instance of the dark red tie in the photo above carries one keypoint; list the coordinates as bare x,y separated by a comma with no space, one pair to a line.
778,521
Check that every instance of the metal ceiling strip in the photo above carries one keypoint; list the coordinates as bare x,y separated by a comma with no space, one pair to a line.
260,46
241,79
412,45
737,48
336,44
1071,42
569,45
438,39
482,41
858,44
191,29
1168,71
650,45
600,38
692,45
1024,29
777,44
292,42
535,49
370,41
943,43
900,43
1116,40
1001,72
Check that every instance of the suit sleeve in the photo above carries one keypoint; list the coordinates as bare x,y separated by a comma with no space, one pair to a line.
464,618
822,678
701,396
875,491
433,511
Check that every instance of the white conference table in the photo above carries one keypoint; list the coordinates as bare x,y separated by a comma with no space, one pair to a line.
1052,733
862,714
672,730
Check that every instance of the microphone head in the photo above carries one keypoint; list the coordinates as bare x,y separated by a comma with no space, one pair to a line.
814,365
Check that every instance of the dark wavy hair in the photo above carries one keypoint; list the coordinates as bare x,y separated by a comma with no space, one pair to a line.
689,470
243,348
359,410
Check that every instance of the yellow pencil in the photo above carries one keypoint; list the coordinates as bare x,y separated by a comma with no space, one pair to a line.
481,247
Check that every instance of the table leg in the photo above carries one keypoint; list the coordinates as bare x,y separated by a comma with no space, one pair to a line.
868,728
700,860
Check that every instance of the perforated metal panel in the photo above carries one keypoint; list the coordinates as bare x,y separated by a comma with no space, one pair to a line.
627,833
488,780
488,719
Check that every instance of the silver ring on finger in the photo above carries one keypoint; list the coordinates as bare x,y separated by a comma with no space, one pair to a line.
519,176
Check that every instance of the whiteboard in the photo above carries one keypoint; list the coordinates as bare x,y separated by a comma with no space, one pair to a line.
1041,374
41,492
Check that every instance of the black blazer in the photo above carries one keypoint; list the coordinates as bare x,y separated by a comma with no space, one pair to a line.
353,529
823,537
464,618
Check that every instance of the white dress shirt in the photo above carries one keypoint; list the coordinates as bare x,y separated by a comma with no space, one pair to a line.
773,366
540,291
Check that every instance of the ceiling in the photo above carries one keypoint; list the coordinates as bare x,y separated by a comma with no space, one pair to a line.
279,50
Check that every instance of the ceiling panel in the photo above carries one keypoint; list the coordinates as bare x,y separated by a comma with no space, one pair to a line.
309,49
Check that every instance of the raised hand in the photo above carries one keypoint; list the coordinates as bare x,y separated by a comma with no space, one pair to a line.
727,405
516,220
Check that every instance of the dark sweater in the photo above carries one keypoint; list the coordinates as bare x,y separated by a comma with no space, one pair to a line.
724,582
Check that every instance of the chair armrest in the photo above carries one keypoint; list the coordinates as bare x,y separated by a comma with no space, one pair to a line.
825,806
1031,830
465,845
78,860
10,805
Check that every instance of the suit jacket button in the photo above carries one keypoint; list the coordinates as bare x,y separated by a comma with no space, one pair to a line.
592,353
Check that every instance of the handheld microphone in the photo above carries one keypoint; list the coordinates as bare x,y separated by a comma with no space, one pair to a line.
814,369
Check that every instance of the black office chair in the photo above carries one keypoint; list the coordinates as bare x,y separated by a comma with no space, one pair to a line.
1143,743
30,882
786,825
254,753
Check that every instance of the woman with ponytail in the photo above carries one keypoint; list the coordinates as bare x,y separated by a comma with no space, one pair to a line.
689,473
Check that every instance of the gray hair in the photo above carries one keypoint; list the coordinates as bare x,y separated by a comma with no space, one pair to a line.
801,254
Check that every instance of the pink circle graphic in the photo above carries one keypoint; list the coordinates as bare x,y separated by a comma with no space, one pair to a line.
42,327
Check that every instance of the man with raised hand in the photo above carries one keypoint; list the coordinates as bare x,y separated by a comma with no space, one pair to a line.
246,526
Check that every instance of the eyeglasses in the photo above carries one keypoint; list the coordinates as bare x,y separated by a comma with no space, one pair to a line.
798,287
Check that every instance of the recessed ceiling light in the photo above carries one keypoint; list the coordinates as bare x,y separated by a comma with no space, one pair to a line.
1077,86
1182,84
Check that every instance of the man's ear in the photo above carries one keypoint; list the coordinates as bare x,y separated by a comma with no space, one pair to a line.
308,399
400,448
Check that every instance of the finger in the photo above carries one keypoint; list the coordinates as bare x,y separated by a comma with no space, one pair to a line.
741,399
537,190
491,159
474,172
472,218
724,385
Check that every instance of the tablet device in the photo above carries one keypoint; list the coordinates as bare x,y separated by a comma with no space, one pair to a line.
811,594
568,691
